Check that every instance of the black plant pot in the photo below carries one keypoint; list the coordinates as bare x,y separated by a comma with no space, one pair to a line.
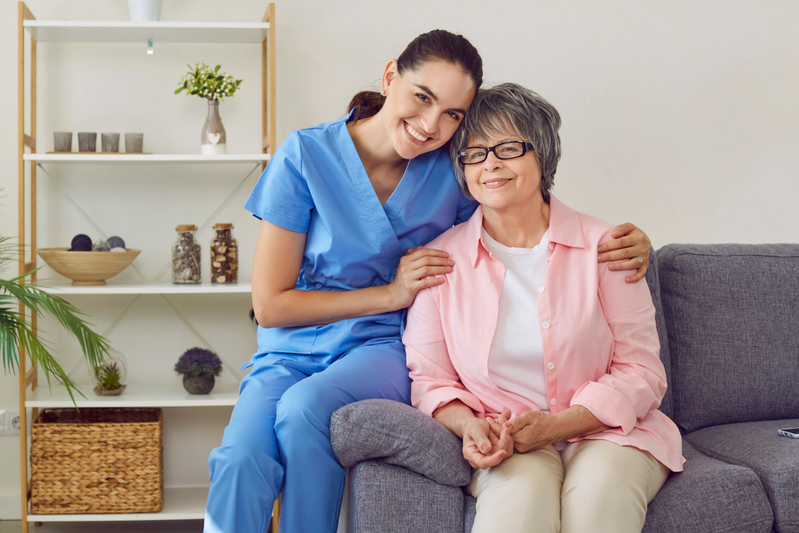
198,384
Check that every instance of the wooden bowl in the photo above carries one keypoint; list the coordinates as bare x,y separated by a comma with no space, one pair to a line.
87,268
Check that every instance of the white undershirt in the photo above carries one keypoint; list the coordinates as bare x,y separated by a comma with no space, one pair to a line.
516,359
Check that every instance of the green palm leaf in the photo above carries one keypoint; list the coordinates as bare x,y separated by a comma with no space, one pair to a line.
17,332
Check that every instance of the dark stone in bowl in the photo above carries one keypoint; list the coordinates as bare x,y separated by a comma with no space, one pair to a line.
116,242
81,243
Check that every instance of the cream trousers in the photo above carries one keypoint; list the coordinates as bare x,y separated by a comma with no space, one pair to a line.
592,486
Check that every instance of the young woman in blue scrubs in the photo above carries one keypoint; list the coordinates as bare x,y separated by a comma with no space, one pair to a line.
345,207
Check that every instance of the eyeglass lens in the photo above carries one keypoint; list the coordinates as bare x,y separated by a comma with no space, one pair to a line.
506,150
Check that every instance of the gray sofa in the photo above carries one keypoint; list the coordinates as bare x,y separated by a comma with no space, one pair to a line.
728,320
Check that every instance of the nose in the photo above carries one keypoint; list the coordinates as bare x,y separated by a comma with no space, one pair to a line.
429,121
492,162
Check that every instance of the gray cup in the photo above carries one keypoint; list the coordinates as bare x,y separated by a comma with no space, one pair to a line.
133,142
87,142
62,141
110,142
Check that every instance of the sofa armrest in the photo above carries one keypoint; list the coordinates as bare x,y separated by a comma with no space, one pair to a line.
399,435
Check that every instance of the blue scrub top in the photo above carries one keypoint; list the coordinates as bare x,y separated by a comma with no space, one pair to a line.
316,184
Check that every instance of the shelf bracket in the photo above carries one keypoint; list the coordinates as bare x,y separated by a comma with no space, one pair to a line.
30,142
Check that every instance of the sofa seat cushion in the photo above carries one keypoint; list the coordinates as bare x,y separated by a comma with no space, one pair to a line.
384,498
399,435
775,460
710,496
732,312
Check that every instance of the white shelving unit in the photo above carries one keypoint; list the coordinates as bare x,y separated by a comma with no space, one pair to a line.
180,503
112,31
139,395
64,288
147,158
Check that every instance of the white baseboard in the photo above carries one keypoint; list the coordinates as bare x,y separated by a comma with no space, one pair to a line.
10,506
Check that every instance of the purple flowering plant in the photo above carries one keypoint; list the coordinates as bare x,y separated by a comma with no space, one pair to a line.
199,362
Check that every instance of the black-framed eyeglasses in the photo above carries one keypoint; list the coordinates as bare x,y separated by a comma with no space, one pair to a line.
507,150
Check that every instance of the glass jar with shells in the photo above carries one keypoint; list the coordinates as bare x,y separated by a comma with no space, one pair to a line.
224,255
186,256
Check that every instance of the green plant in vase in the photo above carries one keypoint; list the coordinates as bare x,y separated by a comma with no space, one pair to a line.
214,86
108,377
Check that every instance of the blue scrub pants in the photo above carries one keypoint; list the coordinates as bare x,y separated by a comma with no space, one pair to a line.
278,439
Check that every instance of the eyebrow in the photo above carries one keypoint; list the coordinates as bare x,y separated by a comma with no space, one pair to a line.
432,95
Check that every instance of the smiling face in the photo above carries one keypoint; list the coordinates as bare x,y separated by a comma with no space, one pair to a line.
424,107
500,184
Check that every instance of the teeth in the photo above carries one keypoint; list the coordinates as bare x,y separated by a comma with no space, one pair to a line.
414,134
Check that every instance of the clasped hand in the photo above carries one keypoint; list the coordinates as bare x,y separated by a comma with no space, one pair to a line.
488,442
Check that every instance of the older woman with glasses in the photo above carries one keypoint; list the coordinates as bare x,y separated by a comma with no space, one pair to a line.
543,361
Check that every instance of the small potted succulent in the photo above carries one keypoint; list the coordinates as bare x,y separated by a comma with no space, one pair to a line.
198,367
109,376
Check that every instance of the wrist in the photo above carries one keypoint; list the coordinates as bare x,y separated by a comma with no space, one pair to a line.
389,299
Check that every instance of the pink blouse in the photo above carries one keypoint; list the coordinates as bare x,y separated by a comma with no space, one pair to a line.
600,341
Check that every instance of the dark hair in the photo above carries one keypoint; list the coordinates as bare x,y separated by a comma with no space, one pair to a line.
431,46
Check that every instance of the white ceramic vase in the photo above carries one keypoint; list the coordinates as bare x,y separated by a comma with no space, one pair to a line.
144,10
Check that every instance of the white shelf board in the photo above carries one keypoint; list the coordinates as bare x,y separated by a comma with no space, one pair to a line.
135,395
184,503
112,31
65,288
147,158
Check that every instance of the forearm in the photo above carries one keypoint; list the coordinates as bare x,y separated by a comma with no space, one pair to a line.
453,416
295,307
574,422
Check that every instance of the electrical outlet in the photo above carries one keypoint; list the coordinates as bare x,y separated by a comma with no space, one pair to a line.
10,421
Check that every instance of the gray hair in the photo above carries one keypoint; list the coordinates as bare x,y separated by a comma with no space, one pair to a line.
511,109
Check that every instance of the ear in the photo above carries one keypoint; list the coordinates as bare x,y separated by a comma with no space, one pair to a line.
390,73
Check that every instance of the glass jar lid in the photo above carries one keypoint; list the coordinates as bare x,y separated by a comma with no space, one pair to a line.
185,228
220,226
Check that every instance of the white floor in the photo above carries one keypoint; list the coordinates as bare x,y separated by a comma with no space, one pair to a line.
177,526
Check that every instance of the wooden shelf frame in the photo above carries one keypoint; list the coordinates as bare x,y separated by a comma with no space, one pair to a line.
131,32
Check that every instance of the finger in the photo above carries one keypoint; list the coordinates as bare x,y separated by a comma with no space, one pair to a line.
503,417
631,264
424,283
427,272
624,229
480,441
638,276
420,261
516,424
421,251
412,250
505,440
487,461
495,425
617,244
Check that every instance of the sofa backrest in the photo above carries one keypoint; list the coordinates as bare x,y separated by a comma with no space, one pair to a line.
732,315
652,279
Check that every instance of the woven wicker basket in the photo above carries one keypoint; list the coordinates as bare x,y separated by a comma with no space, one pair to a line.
97,461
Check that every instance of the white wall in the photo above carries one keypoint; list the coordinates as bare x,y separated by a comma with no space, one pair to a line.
680,116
